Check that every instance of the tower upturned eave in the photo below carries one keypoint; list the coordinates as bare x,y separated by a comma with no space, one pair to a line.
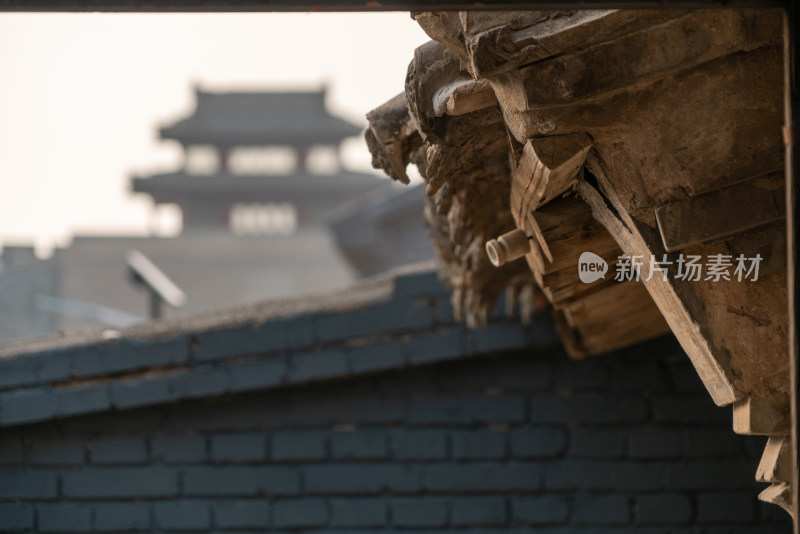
260,118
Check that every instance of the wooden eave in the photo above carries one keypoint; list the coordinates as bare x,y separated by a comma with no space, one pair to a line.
643,133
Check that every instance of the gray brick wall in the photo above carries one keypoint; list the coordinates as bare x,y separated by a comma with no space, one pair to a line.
518,442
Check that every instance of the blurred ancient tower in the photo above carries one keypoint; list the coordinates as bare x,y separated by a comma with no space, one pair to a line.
257,163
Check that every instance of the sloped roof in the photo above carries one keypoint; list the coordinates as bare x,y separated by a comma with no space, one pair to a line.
344,183
395,321
383,229
242,268
314,195
260,118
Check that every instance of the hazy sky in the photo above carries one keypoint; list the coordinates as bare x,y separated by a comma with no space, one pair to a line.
81,96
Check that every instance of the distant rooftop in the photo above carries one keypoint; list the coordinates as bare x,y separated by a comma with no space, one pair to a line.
260,118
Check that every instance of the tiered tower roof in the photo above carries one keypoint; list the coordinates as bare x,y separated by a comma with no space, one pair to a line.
260,118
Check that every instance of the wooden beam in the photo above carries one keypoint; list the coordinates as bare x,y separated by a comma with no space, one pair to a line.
621,226
776,462
721,213
791,107
617,315
462,96
778,494
757,417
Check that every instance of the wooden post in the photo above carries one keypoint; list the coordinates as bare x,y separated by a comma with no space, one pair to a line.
792,116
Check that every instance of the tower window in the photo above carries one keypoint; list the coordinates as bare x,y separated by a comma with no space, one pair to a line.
202,159
263,219
263,160
322,160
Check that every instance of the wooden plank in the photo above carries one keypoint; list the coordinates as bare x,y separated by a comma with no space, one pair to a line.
757,417
621,226
779,494
791,106
776,462
721,213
